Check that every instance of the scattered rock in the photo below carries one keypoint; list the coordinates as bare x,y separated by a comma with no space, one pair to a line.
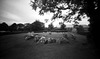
46,40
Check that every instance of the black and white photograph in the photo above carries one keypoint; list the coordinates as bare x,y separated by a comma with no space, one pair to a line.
49,29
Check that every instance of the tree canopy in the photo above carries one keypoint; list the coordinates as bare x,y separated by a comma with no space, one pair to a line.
74,9
51,27
4,26
37,26
63,27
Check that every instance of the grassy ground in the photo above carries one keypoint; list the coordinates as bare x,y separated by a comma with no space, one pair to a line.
9,33
16,47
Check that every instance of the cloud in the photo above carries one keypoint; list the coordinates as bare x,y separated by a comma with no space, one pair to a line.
20,10
9,17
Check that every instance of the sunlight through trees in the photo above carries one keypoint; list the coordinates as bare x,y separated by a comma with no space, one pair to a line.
71,11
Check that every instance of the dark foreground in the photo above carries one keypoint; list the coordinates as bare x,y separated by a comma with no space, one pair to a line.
16,47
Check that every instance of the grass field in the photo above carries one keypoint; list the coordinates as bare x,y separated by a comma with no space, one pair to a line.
16,47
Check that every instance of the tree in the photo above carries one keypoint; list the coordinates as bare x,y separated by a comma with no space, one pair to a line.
27,27
72,7
20,27
37,26
50,27
80,7
63,27
80,29
92,10
13,27
4,27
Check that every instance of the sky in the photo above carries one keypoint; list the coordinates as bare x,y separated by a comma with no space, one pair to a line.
20,11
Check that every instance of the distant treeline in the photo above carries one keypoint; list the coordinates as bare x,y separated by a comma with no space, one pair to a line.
36,26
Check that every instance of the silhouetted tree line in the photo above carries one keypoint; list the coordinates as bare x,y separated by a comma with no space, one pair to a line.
4,27
35,26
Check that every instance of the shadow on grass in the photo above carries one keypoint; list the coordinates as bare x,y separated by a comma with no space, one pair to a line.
8,33
83,33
